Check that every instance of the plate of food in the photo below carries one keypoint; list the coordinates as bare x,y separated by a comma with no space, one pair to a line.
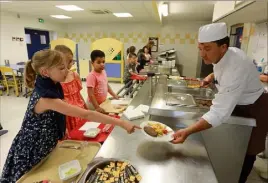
157,131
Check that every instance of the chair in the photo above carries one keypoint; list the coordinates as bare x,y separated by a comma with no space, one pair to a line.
11,81
7,63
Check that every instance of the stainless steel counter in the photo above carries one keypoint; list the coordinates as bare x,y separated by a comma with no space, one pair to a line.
160,162
226,144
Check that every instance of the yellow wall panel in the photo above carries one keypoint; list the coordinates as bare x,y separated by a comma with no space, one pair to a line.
192,41
182,41
187,36
63,41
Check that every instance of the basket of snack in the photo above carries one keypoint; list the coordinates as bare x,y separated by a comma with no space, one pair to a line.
112,171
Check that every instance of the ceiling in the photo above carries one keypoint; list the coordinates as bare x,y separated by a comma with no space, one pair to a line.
255,12
142,11
191,10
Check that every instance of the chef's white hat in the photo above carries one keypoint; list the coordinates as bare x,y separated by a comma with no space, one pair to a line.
212,32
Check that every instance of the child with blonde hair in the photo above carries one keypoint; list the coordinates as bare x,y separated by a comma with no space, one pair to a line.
44,121
71,88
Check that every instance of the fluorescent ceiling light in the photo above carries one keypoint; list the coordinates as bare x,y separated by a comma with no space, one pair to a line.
60,16
5,1
164,9
69,7
122,15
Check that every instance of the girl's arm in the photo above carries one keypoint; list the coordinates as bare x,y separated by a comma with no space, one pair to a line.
62,107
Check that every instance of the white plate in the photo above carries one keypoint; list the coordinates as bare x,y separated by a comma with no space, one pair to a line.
64,168
164,138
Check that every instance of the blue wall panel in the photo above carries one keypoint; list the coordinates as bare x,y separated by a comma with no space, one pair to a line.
113,70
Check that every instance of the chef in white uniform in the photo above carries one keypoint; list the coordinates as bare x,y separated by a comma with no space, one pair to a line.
239,91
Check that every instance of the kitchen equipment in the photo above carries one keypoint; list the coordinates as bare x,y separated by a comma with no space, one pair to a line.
165,138
69,170
180,99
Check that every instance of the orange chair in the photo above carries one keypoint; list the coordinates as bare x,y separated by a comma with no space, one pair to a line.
10,80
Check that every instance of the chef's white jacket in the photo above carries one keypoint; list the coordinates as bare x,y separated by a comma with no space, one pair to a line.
238,83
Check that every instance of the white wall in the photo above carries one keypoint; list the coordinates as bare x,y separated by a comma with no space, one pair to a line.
181,36
11,26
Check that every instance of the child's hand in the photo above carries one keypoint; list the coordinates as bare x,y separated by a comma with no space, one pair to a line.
116,97
129,127
101,110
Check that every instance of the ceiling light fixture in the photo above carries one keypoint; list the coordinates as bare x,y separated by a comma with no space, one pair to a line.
69,7
60,16
164,9
5,1
122,15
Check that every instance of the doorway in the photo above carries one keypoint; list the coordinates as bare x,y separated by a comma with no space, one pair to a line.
36,40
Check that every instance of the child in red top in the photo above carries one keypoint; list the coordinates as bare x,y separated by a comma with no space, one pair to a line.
97,83
71,88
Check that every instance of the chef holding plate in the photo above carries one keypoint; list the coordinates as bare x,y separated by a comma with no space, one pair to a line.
239,91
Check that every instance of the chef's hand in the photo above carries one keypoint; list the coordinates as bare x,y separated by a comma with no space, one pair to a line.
180,136
207,81
129,127
101,110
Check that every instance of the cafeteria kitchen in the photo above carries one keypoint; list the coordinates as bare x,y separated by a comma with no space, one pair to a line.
133,91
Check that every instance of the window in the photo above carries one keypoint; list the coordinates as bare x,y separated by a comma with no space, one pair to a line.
43,39
28,39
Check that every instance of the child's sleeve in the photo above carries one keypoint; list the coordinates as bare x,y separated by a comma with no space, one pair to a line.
91,81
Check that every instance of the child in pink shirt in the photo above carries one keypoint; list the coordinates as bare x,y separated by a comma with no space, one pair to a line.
97,83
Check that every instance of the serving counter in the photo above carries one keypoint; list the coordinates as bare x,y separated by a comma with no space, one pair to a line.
160,162
215,155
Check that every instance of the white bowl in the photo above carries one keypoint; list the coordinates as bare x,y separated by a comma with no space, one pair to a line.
73,167
92,132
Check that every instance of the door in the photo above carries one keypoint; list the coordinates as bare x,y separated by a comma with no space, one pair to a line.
36,40
239,35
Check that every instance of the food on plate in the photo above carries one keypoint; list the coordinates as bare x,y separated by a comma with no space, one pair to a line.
115,172
150,131
193,86
159,128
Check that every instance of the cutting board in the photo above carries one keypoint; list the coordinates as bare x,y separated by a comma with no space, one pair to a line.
109,108
48,168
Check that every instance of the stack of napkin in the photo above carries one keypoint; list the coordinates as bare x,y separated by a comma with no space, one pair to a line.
137,113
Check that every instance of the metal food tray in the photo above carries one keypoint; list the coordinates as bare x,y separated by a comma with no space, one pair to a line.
98,163
200,103
180,99
177,83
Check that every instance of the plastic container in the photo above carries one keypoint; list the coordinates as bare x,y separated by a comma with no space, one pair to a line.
69,170
92,132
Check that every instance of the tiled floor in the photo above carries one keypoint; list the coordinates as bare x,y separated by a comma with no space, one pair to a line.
12,111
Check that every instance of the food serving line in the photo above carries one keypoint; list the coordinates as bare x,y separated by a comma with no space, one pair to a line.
159,162
215,155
